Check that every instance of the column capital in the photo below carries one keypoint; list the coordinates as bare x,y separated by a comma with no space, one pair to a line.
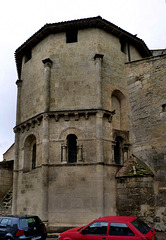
99,114
19,83
46,117
98,56
47,62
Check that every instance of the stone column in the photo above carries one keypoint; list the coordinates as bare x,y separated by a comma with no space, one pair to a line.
98,60
100,160
100,189
125,150
64,153
15,172
45,141
18,111
47,74
99,136
79,153
45,161
16,148
113,148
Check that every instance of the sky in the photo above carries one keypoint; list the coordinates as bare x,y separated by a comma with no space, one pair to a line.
20,19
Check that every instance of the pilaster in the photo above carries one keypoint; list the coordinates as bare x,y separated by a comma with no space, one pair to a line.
45,161
15,173
18,111
99,136
98,61
47,74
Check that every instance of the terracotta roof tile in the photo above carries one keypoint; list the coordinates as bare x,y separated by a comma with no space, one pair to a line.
134,167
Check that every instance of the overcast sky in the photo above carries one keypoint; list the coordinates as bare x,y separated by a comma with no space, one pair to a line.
20,19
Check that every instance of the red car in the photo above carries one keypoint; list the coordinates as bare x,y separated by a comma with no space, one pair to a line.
111,228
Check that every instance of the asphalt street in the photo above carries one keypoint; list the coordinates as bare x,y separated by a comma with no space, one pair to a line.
160,236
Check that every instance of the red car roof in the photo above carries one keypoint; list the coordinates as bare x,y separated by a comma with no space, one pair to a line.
116,218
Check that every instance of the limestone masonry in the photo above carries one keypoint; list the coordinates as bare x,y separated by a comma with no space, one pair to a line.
90,128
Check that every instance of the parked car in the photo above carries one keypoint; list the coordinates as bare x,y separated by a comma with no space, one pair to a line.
111,228
22,227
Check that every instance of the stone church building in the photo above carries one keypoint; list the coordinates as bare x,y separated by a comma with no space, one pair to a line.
90,135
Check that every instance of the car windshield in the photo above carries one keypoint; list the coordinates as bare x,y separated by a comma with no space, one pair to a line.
28,222
141,226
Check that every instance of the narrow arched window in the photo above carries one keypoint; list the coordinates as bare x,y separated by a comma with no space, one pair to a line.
34,156
118,150
118,102
29,153
116,122
72,148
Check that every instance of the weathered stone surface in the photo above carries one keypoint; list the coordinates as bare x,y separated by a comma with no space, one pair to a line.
147,84
82,88
6,204
82,92
6,177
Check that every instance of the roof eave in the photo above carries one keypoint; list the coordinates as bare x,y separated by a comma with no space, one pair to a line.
96,22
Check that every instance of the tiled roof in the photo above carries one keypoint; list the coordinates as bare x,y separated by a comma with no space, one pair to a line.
134,167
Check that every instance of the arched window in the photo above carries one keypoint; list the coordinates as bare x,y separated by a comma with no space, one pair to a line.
29,153
72,148
118,150
117,117
118,102
34,156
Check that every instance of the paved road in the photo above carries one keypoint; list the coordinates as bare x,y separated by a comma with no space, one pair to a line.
160,236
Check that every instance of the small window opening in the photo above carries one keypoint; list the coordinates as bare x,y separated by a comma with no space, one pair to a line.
123,46
28,55
72,148
164,108
71,36
117,150
34,156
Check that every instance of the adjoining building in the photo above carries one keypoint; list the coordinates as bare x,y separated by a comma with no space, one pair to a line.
90,127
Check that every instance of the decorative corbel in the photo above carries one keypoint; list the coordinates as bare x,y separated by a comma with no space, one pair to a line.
76,116
23,128
86,115
66,116
28,126
56,117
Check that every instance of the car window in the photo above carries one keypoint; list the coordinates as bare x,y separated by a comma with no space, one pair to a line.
5,222
27,222
97,228
141,226
120,229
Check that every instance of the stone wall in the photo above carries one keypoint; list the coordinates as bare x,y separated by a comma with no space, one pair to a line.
74,88
9,154
74,72
71,87
136,197
6,177
147,87
6,203
29,196
6,182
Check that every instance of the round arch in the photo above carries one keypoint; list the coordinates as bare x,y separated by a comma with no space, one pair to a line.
118,102
71,130
29,161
